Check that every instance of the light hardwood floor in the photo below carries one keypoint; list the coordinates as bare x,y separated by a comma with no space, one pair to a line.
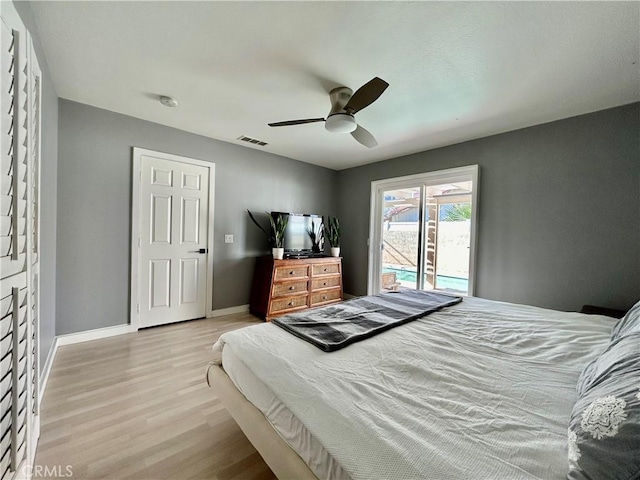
137,406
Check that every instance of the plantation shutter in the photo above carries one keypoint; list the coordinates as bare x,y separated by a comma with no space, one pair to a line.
13,346
34,201
19,245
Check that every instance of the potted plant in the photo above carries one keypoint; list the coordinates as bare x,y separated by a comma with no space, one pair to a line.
333,235
275,236
316,234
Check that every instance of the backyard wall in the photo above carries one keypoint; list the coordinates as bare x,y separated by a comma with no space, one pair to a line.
401,248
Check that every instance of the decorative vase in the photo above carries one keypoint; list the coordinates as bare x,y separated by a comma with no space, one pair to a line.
278,253
335,251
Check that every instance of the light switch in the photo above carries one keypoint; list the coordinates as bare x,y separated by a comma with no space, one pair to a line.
228,238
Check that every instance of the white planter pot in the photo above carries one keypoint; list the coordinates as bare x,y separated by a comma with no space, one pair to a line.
278,253
335,251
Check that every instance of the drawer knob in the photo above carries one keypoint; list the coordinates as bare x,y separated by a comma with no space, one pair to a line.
325,269
291,272
290,304
324,284
324,297
292,288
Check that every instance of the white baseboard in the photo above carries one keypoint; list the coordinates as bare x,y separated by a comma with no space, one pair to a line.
230,310
70,339
44,375
98,333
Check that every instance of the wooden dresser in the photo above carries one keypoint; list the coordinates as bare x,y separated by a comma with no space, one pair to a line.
285,286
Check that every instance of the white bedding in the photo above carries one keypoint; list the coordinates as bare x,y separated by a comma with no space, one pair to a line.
284,422
481,390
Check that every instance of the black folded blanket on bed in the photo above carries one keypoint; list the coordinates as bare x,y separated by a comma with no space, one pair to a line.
334,327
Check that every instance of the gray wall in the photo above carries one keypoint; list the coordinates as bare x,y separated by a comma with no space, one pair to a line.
94,202
559,210
49,186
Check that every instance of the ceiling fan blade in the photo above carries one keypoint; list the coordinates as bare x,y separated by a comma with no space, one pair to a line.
366,95
363,136
296,122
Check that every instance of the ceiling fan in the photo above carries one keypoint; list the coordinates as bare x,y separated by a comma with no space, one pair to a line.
344,105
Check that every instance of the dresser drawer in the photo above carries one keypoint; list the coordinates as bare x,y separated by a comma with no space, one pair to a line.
288,303
294,284
327,282
323,297
283,273
288,288
326,268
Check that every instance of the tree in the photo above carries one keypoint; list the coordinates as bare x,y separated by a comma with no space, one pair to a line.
457,212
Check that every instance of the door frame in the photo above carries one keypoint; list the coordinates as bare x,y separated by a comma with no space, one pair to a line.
470,172
134,299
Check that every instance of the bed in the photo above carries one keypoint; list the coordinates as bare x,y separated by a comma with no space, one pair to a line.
481,389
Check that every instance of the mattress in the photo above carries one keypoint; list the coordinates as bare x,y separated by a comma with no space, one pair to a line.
480,390
290,428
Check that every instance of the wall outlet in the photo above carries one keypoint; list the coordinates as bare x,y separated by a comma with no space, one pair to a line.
228,238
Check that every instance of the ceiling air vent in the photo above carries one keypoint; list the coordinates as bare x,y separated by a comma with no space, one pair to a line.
252,140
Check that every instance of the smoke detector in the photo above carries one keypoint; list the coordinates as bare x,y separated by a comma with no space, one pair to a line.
168,101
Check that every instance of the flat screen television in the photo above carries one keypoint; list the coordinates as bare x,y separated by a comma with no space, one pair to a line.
296,239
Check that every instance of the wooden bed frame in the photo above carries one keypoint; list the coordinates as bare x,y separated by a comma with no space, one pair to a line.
281,458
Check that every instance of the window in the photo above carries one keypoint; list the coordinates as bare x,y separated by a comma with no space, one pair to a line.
422,231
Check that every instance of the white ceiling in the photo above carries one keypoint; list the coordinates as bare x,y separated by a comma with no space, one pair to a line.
457,70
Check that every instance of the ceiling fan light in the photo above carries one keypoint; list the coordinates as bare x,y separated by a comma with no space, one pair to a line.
340,123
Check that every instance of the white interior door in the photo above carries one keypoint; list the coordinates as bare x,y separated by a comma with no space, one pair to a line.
174,216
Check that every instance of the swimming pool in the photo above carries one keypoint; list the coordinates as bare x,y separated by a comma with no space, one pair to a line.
442,281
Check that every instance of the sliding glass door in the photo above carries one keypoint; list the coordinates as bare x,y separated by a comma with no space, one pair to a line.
422,232
401,232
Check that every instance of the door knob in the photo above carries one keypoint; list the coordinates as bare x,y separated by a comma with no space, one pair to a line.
202,250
